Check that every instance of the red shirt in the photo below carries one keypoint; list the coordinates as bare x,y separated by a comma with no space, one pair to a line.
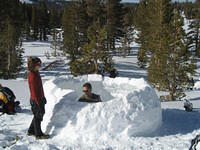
35,86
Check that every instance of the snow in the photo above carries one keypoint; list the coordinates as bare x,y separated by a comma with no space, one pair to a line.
126,111
38,49
26,1
197,85
20,89
71,123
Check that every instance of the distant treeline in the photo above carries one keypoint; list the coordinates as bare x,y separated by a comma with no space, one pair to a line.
19,22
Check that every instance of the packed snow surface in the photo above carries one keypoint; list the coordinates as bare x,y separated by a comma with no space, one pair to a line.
130,108
197,85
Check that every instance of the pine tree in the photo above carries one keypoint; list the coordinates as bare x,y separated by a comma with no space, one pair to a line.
180,62
83,22
128,34
70,43
11,24
156,38
114,23
172,63
56,43
34,24
142,25
27,31
156,14
43,20
26,24
189,9
95,51
84,38
74,25
194,33
94,9
164,45
54,18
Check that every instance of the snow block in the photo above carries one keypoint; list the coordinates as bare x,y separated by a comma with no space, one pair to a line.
197,85
130,108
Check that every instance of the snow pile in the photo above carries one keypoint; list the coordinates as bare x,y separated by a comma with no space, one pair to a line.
130,107
197,85
28,1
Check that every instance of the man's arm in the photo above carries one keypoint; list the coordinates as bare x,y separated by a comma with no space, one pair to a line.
99,99
81,99
95,99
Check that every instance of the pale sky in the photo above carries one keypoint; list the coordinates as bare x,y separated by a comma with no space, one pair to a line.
172,0
125,0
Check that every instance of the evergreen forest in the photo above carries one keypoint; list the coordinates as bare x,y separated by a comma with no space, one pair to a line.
92,32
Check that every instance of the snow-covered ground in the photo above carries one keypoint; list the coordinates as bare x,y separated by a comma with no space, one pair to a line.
130,116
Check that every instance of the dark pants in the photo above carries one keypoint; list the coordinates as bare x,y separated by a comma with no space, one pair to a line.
38,112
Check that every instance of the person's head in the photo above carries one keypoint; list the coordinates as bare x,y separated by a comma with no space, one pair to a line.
34,63
87,89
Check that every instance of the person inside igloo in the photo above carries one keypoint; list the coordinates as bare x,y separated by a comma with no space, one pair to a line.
88,95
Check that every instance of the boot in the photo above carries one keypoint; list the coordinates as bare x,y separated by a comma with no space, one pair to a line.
30,134
44,136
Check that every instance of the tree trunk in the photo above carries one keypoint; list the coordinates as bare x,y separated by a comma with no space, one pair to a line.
54,46
197,43
10,36
9,63
44,34
41,34
171,96
96,66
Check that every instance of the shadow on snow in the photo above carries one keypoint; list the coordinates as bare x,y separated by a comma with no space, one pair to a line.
176,121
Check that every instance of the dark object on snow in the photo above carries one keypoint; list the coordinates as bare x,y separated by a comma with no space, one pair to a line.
190,83
10,93
7,101
188,106
194,142
113,73
18,109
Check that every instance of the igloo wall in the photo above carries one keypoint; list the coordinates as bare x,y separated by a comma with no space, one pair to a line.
130,108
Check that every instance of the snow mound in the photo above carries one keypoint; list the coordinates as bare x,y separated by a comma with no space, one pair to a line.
130,108
197,85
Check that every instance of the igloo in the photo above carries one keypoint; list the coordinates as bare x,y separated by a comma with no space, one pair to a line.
130,108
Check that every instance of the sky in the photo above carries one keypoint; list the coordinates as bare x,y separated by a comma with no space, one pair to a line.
138,0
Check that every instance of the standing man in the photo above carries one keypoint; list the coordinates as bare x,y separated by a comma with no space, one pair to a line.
88,95
37,98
